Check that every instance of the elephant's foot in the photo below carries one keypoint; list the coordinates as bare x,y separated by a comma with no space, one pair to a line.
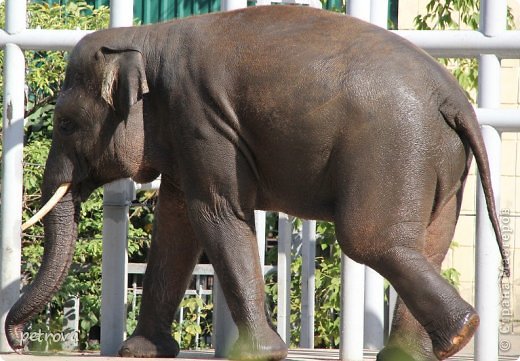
141,346
446,344
265,346
391,353
396,354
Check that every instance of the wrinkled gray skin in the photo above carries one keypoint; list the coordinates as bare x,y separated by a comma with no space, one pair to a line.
280,108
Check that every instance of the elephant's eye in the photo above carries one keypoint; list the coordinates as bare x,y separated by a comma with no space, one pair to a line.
66,126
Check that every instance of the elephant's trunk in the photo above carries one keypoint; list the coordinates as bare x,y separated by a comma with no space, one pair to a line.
60,236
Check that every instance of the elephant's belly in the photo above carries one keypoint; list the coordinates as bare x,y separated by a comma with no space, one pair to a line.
299,202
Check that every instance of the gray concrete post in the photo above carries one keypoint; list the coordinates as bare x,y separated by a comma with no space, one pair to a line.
284,276
352,273
114,276
374,283
71,324
374,335
116,201
308,283
225,330
351,310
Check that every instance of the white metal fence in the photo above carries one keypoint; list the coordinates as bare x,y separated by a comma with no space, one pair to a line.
489,44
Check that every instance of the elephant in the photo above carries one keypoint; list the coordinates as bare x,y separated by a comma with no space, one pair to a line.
291,109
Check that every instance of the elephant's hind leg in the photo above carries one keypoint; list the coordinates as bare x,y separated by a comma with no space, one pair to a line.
407,333
459,329
393,243
173,255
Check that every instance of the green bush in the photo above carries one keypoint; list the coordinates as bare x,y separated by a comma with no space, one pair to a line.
327,287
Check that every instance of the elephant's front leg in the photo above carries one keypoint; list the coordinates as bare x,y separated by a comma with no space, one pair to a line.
173,255
230,243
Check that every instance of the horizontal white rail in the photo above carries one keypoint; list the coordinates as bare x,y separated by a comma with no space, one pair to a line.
464,43
40,39
438,43
500,119
154,185
201,269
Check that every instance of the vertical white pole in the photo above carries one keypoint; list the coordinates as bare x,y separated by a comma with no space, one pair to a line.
352,273
117,197
15,15
12,166
379,13
487,293
284,276
352,307
227,5
116,200
374,315
493,17
374,284
359,8
121,13
260,235
225,331
71,324
392,302
487,263
308,283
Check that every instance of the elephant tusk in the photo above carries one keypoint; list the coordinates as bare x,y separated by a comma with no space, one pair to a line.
60,192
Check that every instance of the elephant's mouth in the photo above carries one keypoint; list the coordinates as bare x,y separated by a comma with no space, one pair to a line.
83,190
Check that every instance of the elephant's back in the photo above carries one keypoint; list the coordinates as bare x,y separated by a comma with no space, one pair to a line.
293,48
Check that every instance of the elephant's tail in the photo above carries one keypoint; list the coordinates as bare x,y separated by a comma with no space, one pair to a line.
465,123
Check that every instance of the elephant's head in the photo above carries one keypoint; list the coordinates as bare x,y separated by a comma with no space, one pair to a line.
98,137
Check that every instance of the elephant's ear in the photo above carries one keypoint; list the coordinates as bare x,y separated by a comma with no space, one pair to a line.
124,78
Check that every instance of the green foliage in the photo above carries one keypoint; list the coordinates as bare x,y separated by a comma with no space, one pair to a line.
196,321
46,69
454,14
457,14
132,313
327,285
72,15
452,276
440,15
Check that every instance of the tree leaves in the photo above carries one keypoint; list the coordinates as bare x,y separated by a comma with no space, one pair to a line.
457,14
